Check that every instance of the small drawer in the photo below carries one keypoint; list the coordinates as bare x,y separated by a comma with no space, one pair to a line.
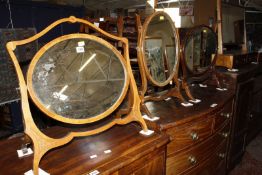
223,116
222,135
186,136
191,158
214,165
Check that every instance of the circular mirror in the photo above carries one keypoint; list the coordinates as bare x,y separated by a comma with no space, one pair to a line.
199,48
160,48
77,79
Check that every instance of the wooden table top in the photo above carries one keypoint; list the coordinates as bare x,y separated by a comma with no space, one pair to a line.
125,143
243,73
172,113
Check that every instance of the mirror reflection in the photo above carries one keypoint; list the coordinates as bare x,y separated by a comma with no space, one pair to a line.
78,78
160,48
199,49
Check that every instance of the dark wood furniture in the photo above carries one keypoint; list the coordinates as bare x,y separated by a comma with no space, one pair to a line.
247,120
199,134
131,153
237,59
105,23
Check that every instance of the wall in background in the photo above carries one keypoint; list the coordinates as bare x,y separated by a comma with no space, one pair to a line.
27,14
204,10
39,15
230,14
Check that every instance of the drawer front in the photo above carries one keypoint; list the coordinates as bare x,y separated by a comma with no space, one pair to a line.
184,161
215,165
153,163
223,116
186,136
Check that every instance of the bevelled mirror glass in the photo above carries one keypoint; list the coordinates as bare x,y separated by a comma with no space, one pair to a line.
159,46
200,47
76,78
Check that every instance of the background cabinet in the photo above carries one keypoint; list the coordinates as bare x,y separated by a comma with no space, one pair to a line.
240,121
247,116
255,113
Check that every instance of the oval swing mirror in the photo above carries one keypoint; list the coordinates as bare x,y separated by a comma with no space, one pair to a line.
77,79
199,49
160,49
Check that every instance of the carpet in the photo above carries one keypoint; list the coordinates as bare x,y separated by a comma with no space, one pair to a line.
251,163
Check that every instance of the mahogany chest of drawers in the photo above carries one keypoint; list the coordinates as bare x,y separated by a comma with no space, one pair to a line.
131,153
199,134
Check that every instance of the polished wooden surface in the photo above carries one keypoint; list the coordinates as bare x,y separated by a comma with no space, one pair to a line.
188,135
172,113
199,134
255,113
247,112
236,60
131,153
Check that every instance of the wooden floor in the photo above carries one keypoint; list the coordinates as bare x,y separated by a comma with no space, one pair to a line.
251,163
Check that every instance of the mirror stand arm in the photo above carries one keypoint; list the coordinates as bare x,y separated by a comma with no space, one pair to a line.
127,109
172,92
213,80
185,86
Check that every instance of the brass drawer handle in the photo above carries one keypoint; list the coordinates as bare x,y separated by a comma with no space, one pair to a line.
222,155
194,136
227,115
192,160
225,134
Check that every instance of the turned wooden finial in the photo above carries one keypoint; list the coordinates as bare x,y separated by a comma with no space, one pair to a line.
11,45
72,19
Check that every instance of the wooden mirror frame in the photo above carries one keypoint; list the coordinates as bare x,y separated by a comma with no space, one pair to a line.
56,116
146,78
207,75
43,143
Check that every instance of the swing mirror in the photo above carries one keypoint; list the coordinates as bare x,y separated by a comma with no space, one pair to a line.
199,49
159,44
77,78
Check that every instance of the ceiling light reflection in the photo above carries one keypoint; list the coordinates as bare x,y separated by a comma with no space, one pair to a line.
87,62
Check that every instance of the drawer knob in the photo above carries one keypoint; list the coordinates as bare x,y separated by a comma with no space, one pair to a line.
227,115
225,134
222,155
194,136
192,160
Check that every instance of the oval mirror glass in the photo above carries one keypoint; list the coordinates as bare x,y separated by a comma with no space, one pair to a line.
160,49
77,78
200,47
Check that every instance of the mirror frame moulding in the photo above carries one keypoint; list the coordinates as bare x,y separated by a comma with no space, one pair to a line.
43,143
58,117
175,90
183,47
142,47
206,75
